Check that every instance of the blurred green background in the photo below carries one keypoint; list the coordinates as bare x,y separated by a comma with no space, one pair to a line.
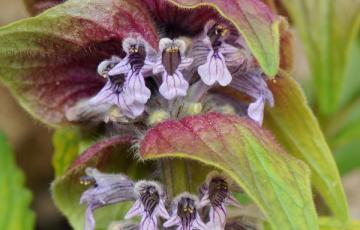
31,141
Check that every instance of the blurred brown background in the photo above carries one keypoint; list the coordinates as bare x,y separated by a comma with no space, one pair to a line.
32,142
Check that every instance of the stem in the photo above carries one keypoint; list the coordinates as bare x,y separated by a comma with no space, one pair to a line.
197,91
175,176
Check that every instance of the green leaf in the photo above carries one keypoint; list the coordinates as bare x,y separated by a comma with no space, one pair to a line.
327,28
15,210
296,128
256,23
347,134
347,157
66,143
278,183
332,224
351,90
108,155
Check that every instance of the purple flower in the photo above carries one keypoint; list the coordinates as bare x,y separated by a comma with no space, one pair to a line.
126,85
149,205
215,192
185,214
252,83
105,189
170,63
219,54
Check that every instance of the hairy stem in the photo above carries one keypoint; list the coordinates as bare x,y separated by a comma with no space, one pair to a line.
175,176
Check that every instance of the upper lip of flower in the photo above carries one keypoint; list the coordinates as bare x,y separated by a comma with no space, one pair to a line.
185,214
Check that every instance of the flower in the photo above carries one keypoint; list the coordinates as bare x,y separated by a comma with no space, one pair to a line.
185,213
171,62
220,54
253,84
230,63
215,192
105,189
149,205
126,85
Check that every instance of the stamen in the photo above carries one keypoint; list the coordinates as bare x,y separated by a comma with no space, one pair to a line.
137,55
87,180
217,34
186,210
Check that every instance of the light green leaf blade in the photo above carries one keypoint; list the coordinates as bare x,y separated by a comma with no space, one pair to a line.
327,28
347,134
66,143
332,224
351,90
296,128
15,210
278,183
347,157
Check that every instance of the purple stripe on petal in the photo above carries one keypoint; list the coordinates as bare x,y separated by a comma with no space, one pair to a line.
173,221
173,86
161,210
104,96
136,87
122,67
136,210
215,70
199,224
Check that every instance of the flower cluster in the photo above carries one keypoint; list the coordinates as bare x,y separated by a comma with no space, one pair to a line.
183,70
188,211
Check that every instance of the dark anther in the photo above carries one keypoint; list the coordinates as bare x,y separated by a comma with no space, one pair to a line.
87,180
186,210
216,34
137,55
